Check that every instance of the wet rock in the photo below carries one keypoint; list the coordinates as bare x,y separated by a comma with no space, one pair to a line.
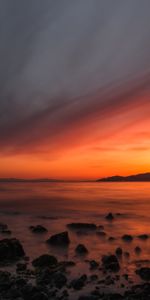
78,284
137,250
59,280
81,249
10,250
144,273
38,229
110,262
60,239
143,236
82,226
45,260
119,251
127,238
109,217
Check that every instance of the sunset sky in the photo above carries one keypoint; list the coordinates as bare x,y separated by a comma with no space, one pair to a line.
74,88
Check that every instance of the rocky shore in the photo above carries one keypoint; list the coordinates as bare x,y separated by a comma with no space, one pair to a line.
48,278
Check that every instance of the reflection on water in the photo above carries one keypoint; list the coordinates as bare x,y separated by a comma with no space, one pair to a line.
56,204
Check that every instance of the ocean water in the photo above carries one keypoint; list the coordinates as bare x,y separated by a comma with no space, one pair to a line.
54,205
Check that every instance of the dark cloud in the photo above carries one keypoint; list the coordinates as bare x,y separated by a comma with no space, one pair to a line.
65,63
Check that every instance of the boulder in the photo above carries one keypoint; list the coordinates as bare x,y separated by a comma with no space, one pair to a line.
144,273
127,237
45,260
143,236
38,229
81,249
82,226
10,250
60,239
109,217
78,284
119,251
59,280
110,263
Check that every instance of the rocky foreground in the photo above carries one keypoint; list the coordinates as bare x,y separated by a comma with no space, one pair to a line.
46,278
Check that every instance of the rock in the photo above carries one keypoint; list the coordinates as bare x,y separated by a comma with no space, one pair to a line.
119,251
6,231
101,233
3,227
137,250
45,260
144,273
38,229
59,280
81,249
100,227
111,239
110,263
82,226
78,284
5,280
21,267
90,297
93,264
143,236
109,217
126,254
10,250
60,239
127,237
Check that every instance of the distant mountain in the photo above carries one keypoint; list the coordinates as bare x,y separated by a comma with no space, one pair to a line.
132,178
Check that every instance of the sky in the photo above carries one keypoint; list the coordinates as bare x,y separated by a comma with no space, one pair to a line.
74,88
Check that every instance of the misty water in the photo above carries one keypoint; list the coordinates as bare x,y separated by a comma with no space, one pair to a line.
54,205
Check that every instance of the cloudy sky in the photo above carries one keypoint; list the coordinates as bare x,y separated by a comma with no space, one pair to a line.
74,87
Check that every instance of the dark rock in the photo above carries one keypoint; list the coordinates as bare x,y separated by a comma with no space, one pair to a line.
100,227
38,229
82,226
3,227
110,262
111,239
6,231
90,297
119,251
109,217
60,239
10,250
45,260
101,233
137,250
93,264
81,249
78,284
144,273
94,277
59,280
21,267
5,280
126,254
143,236
127,237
